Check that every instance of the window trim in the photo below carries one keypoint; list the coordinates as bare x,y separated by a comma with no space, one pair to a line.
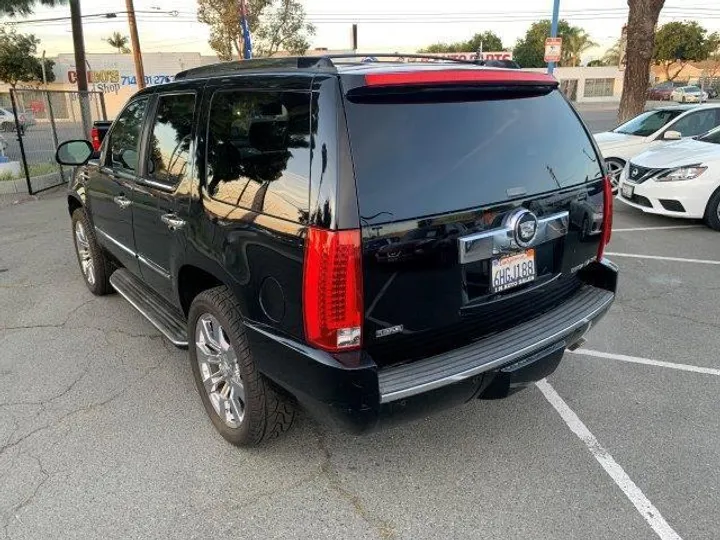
108,137
241,89
142,175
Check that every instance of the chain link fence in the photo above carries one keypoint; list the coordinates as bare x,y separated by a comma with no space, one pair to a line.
32,125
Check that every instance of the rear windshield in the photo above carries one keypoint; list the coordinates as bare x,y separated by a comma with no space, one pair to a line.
647,123
419,157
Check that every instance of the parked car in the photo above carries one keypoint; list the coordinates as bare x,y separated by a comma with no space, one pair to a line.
8,122
662,91
653,128
712,92
240,209
678,180
689,94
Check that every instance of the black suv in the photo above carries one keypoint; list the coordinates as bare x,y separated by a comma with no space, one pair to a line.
373,241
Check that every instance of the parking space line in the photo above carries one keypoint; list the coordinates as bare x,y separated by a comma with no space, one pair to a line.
612,468
660,258
647,361
663,228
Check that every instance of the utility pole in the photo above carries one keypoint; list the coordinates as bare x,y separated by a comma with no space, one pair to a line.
354,37
135,40
82,78
554,30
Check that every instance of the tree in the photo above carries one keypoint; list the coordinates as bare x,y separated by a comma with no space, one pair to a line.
119,42
17,60
38,71
596,63
612,55
575,43
274,24
490,42
530,51
677,43
13,8
642,19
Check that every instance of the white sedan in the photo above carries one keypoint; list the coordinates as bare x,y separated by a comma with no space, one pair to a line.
688,94
653,128
678,180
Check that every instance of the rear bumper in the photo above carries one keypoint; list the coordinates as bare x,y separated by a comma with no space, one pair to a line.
362,398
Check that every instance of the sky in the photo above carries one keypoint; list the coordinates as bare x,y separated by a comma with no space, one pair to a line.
406,25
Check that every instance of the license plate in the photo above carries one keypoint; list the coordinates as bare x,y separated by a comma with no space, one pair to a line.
509,272
627,191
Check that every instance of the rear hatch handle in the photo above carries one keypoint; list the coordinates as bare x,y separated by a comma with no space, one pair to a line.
521,229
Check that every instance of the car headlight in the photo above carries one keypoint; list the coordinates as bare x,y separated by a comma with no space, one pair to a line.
682,173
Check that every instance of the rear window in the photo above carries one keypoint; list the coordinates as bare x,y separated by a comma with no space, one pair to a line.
418,157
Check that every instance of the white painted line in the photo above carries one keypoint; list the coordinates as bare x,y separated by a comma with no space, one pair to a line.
612,468
659,258
665,228
647,361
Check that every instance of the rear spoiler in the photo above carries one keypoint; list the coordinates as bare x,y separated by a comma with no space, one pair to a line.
461,77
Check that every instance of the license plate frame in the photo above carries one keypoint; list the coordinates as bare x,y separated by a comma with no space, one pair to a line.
627,190
512,271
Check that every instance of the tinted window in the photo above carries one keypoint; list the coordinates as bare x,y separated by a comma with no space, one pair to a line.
696,123
258,153
419,155
125,137
713,137
647,123
169,149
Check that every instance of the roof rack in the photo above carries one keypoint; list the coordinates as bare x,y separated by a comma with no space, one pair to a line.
324,62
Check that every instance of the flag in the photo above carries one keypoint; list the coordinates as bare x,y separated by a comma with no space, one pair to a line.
247,41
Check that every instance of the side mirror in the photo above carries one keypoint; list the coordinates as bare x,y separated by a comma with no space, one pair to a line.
74,153
671,135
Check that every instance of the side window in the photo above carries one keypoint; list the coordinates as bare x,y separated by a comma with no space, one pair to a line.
695,123
169,149
258,153
125,137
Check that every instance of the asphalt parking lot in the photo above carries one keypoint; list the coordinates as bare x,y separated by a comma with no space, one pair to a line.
102,434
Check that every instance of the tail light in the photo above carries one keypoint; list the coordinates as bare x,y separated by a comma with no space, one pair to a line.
607,217
332,290
95,137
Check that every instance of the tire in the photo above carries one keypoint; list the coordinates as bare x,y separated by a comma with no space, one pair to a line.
614,168
88,250
712,212
254,411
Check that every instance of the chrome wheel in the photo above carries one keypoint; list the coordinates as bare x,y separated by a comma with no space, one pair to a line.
614,169
84,255
219,370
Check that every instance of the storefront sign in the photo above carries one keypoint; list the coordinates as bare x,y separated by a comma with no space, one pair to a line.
109,78
470,56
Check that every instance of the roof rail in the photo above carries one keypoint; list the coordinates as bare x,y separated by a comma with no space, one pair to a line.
302,63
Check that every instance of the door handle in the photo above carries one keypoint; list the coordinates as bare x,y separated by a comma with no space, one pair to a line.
172,221
122,201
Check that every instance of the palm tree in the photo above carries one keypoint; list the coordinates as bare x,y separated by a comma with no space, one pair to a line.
13,8
612,55
575,43
119,42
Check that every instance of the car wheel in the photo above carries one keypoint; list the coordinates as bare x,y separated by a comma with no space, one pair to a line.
95,266
712,212
6,126
242,404
614,168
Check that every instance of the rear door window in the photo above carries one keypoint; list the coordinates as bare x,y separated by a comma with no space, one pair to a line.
169,146
258,153
420,156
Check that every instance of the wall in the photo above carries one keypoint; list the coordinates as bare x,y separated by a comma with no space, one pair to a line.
581,74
